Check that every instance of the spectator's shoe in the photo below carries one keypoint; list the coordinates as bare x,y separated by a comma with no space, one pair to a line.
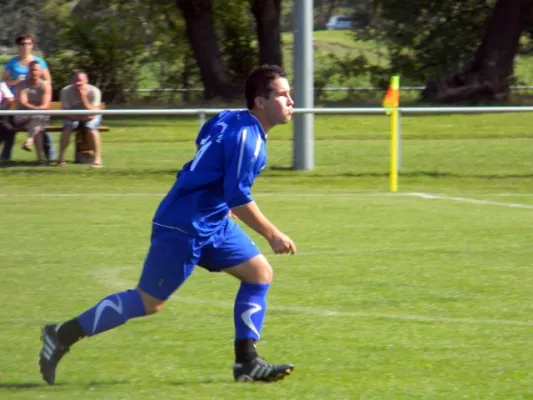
51,353
260,370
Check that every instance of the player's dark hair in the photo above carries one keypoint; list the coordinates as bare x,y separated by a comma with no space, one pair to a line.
78,72
32,63
259,83
21,38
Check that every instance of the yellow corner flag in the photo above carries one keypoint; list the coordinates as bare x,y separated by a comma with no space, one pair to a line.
392,97
391,102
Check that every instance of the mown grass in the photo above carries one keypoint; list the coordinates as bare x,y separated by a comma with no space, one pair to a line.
388,297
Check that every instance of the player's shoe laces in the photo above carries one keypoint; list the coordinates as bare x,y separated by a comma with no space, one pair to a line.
260,370
51,353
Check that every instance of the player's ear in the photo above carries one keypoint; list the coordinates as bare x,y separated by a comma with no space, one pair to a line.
259,102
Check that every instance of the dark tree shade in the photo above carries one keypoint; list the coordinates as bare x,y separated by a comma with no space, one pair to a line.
488,76
199,21
267,14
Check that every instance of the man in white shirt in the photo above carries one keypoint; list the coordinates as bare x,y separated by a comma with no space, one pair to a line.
81,96
7,133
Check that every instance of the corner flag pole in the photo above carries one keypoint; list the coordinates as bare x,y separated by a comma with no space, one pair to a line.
391,102
394,151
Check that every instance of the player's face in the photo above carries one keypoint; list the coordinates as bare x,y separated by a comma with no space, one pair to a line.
35,71
80,80
278,106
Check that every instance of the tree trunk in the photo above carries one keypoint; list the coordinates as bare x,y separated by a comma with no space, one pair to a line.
199,22
488,77
329,12
267,15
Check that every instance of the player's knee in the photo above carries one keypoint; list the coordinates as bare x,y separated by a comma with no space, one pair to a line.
153,308
262,273
151,304
267,274
255,270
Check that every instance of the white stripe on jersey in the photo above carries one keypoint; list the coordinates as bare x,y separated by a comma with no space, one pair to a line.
257,146
241,153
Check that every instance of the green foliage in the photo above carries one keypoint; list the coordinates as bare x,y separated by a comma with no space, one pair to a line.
236,36
337,71
19,16
389,297
105,42
426,38
170,63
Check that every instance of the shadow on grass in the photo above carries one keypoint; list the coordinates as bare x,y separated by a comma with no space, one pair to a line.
413,174
201,381
11,164
276,171
21,385
34,385
100,384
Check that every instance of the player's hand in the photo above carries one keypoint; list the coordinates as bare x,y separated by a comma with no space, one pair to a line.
282,244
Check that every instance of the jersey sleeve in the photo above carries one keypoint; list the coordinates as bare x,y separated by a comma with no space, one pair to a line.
41,62
10,65
239,169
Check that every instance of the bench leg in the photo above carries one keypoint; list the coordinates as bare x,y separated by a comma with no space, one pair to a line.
83,147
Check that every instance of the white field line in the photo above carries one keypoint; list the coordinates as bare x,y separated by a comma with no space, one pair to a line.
315,194
265,194
463,248
431,196
111,278
510,194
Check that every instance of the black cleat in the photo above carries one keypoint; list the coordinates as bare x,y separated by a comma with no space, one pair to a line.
51,353
261,371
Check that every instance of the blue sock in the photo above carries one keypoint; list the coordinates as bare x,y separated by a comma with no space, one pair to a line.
111,312
249,310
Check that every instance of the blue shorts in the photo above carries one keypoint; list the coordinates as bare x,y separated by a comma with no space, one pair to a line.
92,124
173,255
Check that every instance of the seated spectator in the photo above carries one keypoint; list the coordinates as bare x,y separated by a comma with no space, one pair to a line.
34,93
7,132
81,96
15,71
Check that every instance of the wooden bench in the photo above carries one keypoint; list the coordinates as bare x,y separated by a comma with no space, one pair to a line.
83,149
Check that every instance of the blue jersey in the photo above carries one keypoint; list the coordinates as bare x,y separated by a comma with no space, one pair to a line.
231,154
17,69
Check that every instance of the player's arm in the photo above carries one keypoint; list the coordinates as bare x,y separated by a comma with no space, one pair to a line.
6,77
47,97
7,96
252,216
22,99
239,176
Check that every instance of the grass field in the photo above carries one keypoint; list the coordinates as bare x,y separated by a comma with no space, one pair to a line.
423,294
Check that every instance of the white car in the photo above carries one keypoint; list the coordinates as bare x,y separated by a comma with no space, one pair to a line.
339,22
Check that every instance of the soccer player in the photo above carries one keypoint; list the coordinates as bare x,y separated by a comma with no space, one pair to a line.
192,226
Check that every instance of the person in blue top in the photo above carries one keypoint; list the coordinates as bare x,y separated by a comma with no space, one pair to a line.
16,71
193,226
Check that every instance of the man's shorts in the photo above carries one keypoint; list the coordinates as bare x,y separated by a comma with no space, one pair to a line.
92,124
173,255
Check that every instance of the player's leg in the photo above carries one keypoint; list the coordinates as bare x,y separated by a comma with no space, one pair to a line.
64,139
169,262
238,256
36,129
249,312
7,138
92,128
